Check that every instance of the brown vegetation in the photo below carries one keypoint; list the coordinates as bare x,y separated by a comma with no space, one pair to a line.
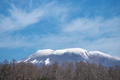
66,71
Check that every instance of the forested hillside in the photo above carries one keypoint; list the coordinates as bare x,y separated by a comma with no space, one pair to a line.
66,71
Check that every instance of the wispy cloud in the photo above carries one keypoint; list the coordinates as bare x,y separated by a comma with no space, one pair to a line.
91,27
92,34
76,28
21,18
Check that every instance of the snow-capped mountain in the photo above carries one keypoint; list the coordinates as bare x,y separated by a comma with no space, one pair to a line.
48,56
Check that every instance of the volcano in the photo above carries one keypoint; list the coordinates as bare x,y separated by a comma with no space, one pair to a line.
48,56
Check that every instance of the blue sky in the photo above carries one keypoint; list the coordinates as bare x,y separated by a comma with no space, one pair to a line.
29,25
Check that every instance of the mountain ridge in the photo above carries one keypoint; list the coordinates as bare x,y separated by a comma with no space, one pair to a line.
48,56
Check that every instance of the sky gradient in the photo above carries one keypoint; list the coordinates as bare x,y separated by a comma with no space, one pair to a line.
29,25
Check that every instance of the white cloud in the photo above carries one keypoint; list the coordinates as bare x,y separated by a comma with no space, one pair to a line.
94,34
92,27
14,41
90,33
24,18
21,18
107,45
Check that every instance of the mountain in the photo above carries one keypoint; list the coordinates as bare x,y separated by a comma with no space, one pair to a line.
48,56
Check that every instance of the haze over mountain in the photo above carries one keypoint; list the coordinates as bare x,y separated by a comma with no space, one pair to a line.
48,56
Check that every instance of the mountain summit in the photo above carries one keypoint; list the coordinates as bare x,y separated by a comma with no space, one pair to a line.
48,56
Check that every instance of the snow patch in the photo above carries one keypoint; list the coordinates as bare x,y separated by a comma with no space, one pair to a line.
44,52
47,61
47,52
34,61
100,54
27,59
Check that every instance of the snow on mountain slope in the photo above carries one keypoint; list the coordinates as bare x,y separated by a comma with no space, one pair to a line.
48,56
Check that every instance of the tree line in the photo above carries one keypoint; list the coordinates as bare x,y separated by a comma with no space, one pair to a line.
66,71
